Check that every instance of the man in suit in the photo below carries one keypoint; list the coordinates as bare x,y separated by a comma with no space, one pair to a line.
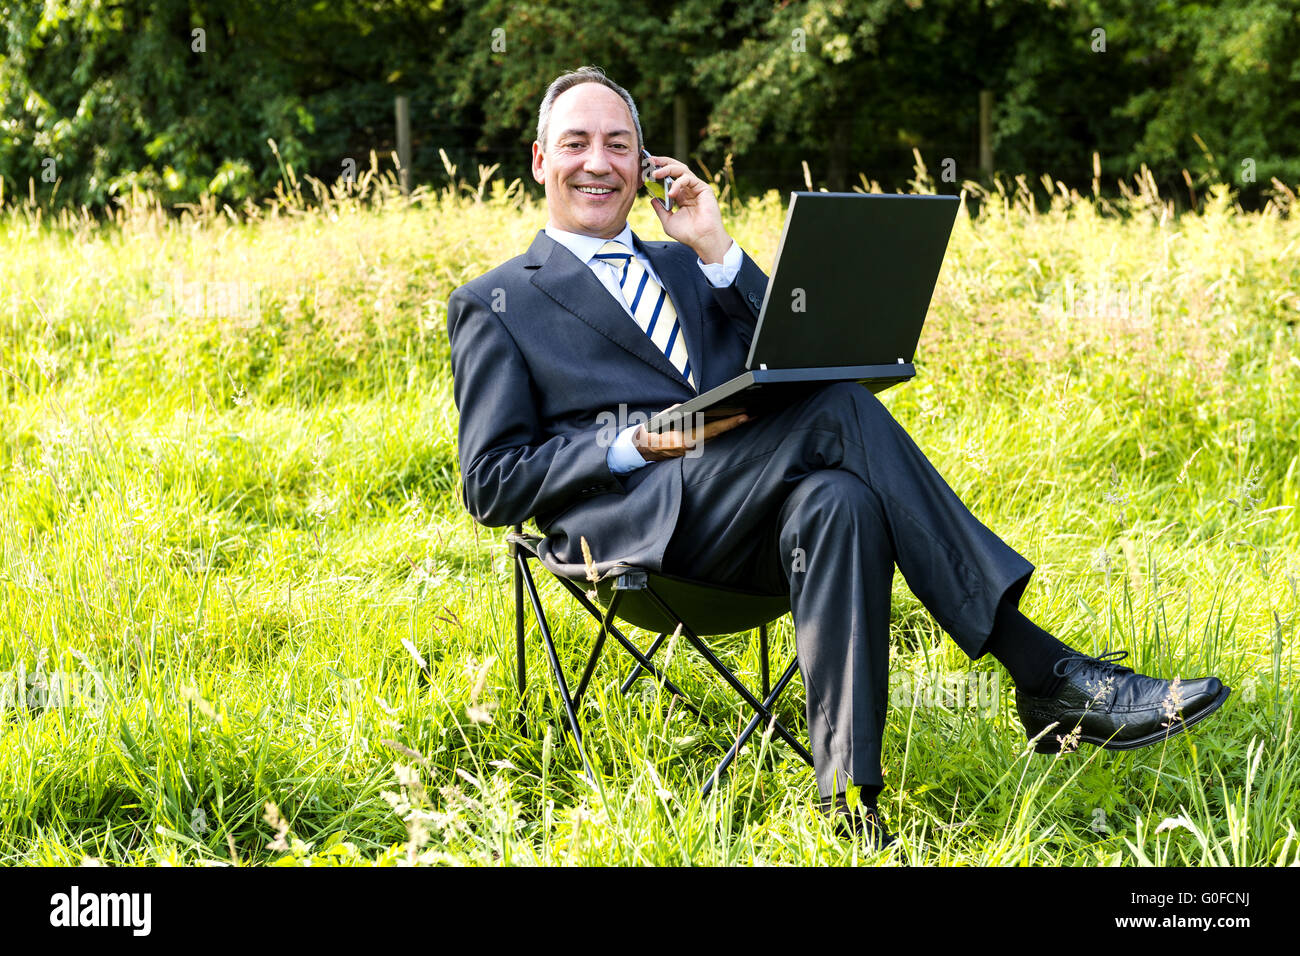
819,500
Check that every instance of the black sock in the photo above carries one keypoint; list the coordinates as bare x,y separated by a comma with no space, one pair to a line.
867,794
1027,651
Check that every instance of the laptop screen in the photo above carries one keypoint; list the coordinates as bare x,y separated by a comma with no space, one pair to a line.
853,279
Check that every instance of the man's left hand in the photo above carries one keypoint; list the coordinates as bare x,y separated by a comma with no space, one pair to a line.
696,220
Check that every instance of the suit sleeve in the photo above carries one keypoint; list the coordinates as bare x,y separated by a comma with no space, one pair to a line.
511,470
742,300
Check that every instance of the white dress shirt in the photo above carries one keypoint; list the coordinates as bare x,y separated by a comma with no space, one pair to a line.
622,455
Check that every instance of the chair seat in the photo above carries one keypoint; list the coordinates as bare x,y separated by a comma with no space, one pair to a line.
706,608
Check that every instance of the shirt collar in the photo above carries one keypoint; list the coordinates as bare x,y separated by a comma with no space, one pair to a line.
584,247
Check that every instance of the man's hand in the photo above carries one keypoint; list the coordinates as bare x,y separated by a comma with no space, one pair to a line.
661,446
696,220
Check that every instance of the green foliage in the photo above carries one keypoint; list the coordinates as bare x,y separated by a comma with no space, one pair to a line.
102,98
178,98
1228,73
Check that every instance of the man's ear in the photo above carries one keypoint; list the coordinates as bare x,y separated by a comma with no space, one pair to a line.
539,157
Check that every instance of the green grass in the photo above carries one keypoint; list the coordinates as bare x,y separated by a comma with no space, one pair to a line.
226,521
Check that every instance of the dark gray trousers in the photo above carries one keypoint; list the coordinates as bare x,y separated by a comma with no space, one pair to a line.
822,499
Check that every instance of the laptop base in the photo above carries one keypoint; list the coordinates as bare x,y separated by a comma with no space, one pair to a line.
762,389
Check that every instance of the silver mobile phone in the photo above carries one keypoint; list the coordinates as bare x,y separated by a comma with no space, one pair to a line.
657,187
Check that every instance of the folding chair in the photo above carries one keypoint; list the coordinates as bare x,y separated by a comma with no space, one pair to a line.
658,603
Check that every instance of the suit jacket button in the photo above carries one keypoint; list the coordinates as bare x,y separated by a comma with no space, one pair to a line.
753,299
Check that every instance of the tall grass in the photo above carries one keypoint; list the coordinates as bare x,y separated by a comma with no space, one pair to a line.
229,526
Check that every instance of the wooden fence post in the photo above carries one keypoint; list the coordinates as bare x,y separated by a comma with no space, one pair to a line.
403,108
986,132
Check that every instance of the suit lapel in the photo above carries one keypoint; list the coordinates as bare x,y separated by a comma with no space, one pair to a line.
571,284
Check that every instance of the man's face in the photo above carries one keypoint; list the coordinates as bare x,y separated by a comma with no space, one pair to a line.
591,166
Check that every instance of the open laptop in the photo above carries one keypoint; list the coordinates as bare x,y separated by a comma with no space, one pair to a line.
848,296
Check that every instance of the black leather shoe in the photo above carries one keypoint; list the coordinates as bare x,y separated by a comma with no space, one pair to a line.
1115,708
862,822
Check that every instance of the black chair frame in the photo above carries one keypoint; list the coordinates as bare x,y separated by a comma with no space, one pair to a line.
620,588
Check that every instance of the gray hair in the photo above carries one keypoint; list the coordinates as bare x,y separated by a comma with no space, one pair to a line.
565,81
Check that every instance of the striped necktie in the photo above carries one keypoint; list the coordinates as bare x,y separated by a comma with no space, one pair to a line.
650,305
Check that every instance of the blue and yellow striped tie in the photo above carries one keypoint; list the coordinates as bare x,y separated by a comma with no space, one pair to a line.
650,305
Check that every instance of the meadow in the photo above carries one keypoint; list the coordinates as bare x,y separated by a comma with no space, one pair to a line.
245,618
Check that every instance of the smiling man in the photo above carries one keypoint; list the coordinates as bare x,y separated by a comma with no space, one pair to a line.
593,320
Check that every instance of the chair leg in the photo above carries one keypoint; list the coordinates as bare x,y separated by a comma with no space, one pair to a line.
596,648
562,685
630,647
524,584
768,700
729,677
637,668
521,664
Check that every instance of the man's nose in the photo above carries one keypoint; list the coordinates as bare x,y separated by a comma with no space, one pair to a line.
598,161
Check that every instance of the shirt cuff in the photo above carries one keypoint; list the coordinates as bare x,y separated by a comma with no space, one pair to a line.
722,274
622,456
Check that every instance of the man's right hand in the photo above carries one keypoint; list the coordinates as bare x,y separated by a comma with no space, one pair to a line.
661,446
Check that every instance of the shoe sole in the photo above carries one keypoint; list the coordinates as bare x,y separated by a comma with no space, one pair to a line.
1052,745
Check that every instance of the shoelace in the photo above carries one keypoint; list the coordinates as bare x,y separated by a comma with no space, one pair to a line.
1108,661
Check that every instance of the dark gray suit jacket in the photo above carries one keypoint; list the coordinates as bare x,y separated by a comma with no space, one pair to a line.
539,350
